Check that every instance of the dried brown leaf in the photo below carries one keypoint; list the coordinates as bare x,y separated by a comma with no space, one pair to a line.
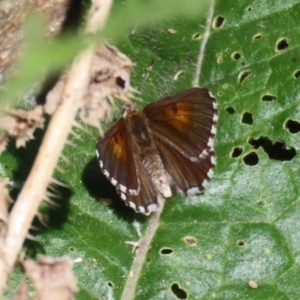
52,278
13,15
110,76
21,124
110,73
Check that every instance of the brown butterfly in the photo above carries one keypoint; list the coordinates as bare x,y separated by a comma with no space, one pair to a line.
169,143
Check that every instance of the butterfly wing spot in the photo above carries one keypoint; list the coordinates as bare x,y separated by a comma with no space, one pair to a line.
212,96
215,118
152,207
113,181
141,209
210,143
213,130
132,205
122,188
213,160
204,154
117,146
123,197
105,173
210,173
134,192
193,191
100,163
205,183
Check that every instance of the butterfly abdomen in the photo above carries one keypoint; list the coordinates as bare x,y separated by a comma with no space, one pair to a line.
145,146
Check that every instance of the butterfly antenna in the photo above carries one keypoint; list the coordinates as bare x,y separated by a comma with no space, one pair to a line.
126,104
146,75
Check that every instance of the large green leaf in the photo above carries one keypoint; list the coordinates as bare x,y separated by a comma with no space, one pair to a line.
246,226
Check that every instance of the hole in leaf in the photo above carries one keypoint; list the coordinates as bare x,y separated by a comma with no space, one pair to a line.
297,74
292,126
71,249
220,93
190,240
243,75
249,8
166,251
196,36
236,55
110,284
230,110
240,243
251,159
178,292
236,152
268,98
247,118
276,150
282,44
260,203
257,36
218,22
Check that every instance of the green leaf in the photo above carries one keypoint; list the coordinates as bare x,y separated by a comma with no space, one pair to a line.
246,225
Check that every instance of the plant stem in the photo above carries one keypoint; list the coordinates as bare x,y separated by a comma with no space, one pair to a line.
53,143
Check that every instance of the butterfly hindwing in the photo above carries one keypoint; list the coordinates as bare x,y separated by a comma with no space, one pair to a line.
188,177
148,197
186,121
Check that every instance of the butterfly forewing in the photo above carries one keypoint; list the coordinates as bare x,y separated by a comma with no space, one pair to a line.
115,156
186,121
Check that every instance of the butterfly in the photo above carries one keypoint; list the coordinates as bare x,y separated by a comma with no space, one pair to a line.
167,144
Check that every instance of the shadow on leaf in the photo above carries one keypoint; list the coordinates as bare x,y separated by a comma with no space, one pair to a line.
99,187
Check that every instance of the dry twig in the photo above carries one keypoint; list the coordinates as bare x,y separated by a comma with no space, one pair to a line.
35,187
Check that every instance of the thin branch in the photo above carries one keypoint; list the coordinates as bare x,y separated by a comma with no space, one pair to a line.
203,44
134,274
40,175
